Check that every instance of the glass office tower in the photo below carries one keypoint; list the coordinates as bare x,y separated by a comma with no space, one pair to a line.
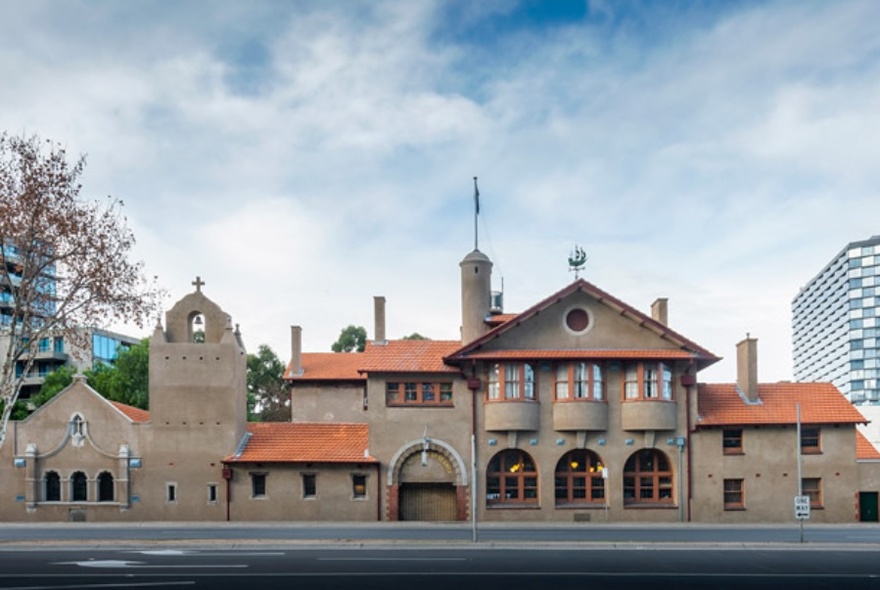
835,324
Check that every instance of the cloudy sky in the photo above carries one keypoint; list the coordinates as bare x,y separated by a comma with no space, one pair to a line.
302,157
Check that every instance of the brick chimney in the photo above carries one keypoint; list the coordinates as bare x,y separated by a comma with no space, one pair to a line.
379,318
747,368
296,362
660,310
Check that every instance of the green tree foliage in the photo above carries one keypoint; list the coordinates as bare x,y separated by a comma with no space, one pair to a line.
53,383
352,338
415,336
268,394
19,410
130,379
64,259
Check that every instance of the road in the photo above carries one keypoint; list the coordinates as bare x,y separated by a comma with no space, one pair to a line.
461,567
12,533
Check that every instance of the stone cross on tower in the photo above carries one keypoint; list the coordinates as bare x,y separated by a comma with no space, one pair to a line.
198,283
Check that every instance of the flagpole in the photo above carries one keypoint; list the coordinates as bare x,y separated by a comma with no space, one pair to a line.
476,212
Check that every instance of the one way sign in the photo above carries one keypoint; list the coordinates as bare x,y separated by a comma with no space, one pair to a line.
802,507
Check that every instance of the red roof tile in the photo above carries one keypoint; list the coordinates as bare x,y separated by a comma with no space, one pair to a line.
864,449
409,356
305,442
134,414
333,366
581,354
821,403
498,319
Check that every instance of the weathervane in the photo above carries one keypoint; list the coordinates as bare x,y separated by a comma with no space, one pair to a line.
576,261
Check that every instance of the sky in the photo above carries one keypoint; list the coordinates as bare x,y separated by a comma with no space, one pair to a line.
302,157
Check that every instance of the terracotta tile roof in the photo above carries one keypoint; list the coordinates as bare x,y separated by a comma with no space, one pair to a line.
409,356
134,414
581,354
334,366
821,403
864,449
305,442
703,356
498,319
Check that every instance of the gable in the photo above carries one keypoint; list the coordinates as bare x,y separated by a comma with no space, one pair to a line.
106,425
583,319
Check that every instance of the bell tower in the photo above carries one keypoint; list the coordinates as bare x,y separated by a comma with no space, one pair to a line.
198,369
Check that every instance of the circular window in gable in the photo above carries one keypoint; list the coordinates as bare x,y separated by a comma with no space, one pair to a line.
578,320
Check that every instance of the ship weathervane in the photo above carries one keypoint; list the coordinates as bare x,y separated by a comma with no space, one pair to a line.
576,261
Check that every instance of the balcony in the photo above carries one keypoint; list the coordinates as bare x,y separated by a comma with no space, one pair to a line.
512,415
579,415
649,415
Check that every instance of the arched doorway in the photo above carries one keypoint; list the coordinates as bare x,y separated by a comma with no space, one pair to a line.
429,483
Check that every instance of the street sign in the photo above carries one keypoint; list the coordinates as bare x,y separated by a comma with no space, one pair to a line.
802,507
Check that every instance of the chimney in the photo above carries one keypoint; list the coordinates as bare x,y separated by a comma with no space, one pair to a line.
747,368
296,361
379,318
660,310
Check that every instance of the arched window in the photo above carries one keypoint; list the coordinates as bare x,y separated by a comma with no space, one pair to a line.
580,478
105,487
647,478
511,478
51,487
79,490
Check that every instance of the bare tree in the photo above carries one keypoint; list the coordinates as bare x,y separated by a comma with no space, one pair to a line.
64,260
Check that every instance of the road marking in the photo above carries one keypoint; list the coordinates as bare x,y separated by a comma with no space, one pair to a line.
186,552
123,564
83,586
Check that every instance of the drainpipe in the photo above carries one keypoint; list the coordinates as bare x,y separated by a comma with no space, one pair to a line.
690,464
378,492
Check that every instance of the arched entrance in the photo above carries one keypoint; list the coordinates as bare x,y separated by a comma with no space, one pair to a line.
428,483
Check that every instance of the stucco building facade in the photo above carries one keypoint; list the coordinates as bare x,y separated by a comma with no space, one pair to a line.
578,409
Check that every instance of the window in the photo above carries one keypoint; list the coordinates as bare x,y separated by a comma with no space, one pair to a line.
310,485
579,381
43,345
105,487
512,479
580,478
212,493
734,497
59,344
171,492
647,478
810,441
648,381
732,441
812,487
515,380
359,486
51,487
258,485
79,487
424,393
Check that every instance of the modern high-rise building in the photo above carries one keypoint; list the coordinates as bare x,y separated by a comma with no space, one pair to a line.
836,324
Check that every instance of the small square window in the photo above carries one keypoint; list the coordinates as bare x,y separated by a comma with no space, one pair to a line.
734,494
732,439
310,485
359,486
258,485
810,440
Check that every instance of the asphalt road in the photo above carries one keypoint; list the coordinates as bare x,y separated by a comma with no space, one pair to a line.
12,533
430,568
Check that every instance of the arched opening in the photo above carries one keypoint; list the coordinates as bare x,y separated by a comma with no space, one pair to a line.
105,487
196,328
51,487
647,478
511,479
79,490
580,478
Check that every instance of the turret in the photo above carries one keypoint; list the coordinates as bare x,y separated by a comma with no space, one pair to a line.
476,295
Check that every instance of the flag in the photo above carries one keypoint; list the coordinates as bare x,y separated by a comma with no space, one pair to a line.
476,197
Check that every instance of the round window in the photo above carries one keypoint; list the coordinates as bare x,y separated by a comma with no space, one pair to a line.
577,320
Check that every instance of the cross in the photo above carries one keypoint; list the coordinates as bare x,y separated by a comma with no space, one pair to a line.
198,283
